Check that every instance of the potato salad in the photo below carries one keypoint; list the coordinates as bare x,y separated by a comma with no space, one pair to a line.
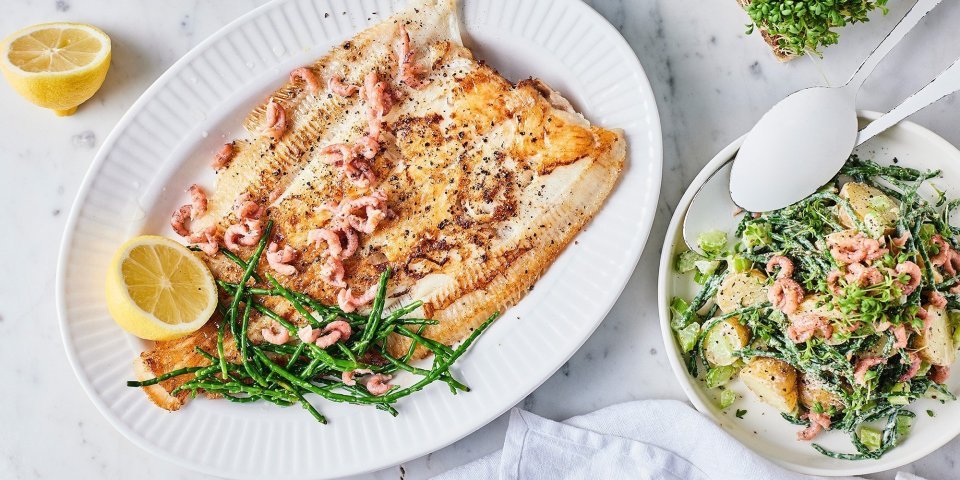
839,311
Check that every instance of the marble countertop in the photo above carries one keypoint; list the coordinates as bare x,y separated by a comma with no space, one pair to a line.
712,82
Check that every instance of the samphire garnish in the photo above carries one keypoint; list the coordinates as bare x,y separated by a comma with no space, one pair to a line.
801,26
285,374
875,270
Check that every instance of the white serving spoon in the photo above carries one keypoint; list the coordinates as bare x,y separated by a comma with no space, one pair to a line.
713,208
807,137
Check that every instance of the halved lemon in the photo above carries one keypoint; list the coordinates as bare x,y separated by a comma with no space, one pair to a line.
56,65
157,289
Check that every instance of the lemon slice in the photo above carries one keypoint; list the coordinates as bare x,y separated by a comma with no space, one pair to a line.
159,290
56,65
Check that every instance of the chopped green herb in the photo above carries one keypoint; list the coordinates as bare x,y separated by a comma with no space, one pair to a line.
740,413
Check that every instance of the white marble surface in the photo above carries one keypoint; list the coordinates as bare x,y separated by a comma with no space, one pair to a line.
711,81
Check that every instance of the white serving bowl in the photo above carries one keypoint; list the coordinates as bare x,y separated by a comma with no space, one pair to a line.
762,429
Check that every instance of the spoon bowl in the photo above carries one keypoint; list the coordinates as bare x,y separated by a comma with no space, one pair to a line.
797,146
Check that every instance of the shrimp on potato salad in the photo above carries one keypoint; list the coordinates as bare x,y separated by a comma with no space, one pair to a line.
839,311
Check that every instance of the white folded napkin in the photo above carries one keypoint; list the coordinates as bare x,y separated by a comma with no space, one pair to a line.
650,439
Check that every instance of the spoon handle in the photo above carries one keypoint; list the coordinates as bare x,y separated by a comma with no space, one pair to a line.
946,83
910,20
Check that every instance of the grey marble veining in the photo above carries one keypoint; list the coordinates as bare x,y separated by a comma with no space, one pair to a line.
711,80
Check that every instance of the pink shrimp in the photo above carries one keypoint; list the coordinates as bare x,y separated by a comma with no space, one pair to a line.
360,173
900,335
818,423
913,271
377,384
332,272
198,201
913,369
952,267
275,120
337,154
334,248
336,331
882,326
857,249
223,156
336,85
207,240
939,374
804,327
348,303
347,376
307,334
379,102
276,334
409,69
936,299
179,220
785,295
902,240
279,259
785,264
955,289
246,209
246,233
368,147
833,282
863,276
860,371
306,76
943,255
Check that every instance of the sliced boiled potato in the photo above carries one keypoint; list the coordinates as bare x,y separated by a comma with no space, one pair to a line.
742,289
724,340
773,381
936,343
813,393
875,209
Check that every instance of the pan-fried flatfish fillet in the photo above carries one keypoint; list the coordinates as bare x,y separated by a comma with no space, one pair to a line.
485,182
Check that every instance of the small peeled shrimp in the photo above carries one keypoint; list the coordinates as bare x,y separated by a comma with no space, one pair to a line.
336,85
306,75
347,376
857,249
198,201
276,334
348,303
860,371
377,384
938,373
332,272
936,299
900,336
785,264
207,240
336,331
275,120
223,156
246,233
833,282
179,220
913,369
804,327
785,295
818,423
943,255
409,70
368,147
279,259
913,271
863,276
307,334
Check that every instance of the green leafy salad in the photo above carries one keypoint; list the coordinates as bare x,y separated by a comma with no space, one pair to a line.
839,311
